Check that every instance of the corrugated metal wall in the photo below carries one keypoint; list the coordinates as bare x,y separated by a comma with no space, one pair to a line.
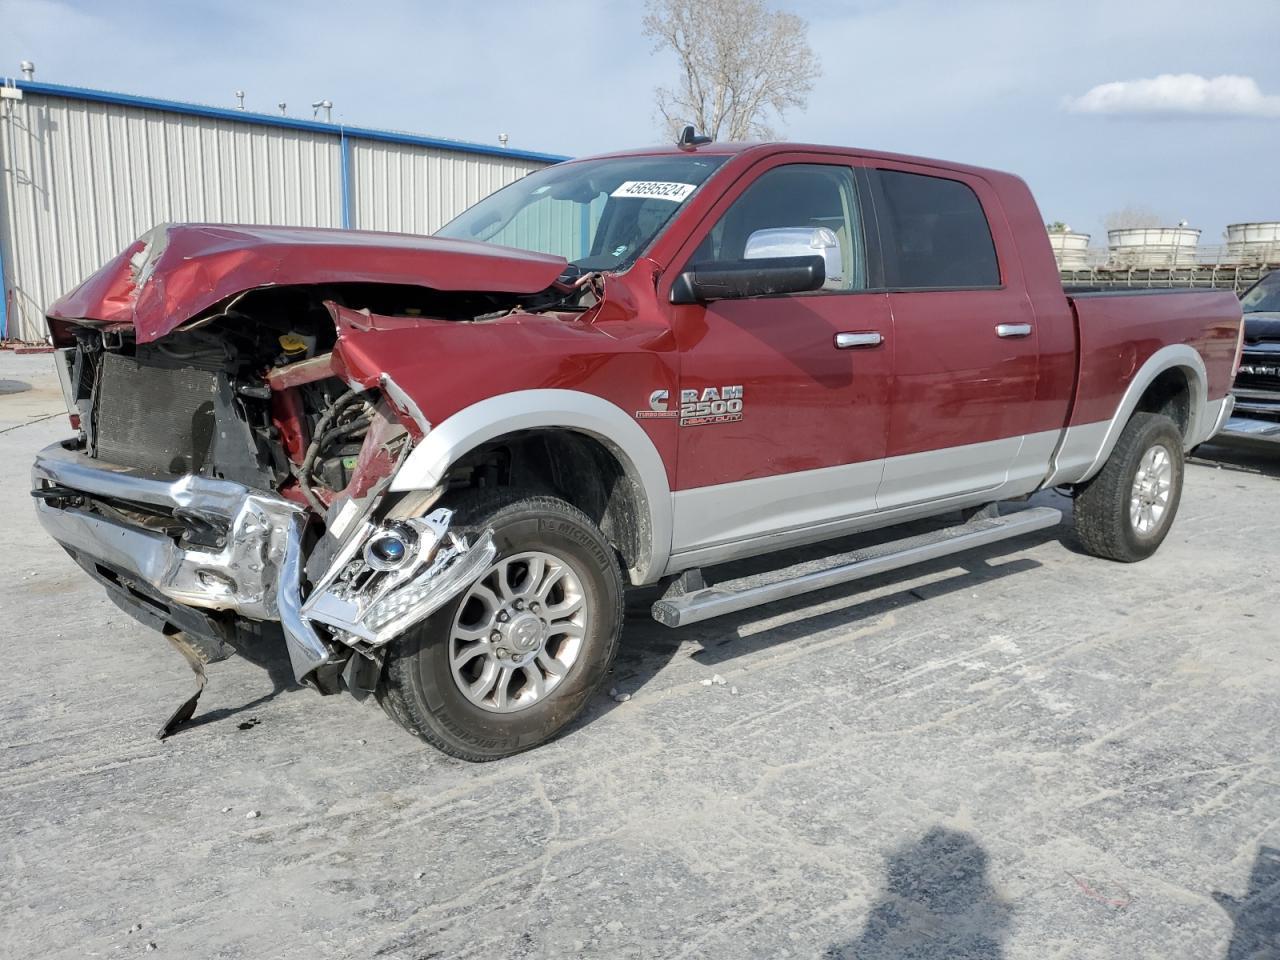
80,180
410,189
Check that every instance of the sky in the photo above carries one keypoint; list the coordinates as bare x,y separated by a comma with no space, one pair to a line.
1167,106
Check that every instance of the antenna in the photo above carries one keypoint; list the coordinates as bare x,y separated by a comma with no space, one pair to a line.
282,105
691,139
28,69
503,138
325,105
240,97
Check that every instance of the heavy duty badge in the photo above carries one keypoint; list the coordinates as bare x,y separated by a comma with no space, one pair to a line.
710,405
713,405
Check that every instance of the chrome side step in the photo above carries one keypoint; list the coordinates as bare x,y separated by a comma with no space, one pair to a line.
682,609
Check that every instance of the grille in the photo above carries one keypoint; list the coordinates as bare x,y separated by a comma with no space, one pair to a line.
1259,370
154,418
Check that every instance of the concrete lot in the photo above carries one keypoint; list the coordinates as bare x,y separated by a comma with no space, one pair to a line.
1022,753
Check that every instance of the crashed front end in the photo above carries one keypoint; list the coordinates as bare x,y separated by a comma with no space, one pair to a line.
231,476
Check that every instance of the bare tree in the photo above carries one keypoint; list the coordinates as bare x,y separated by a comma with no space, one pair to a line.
1132,217
742,65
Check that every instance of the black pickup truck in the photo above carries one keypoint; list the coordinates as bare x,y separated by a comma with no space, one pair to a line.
1257,387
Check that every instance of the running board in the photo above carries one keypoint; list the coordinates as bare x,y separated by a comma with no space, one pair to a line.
682,609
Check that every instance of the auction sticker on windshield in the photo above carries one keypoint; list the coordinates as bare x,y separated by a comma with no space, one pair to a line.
655,189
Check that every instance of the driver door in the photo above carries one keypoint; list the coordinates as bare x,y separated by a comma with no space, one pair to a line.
783,397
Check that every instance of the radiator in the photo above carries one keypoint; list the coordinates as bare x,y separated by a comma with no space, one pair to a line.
154,418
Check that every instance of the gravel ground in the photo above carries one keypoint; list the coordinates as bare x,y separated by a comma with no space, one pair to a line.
1022,752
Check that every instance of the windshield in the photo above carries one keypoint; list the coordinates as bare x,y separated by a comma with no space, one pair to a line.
1263,296
597,214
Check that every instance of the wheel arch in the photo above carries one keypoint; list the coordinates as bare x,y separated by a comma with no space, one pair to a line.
1155,388
560,412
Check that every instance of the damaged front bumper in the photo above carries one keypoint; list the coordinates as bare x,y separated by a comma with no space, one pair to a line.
251,560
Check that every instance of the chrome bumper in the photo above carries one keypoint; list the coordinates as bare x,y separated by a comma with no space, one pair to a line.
257,571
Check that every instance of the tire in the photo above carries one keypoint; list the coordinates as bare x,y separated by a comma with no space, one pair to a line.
1104,505
419,688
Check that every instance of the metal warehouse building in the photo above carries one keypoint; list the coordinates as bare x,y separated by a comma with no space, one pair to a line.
85,172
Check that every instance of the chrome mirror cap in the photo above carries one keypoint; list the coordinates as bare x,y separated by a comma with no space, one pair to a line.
800,242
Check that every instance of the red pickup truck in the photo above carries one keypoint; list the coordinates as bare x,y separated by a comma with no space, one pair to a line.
430,466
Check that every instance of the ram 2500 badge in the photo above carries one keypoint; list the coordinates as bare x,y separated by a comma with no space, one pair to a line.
430,467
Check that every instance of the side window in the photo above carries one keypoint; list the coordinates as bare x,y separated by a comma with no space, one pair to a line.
937,233
817,198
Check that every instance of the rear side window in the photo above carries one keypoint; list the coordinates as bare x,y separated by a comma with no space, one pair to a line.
937,234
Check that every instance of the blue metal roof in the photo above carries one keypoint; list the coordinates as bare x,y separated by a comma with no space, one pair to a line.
273,120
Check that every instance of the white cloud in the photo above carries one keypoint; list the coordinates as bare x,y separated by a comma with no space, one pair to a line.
1179,93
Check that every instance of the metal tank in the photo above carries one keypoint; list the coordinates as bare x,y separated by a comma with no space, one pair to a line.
1254,243
1070,249
1146,248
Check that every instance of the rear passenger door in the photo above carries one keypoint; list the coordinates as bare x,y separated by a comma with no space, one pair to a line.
965,352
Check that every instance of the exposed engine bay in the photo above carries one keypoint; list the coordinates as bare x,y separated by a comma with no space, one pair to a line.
247,392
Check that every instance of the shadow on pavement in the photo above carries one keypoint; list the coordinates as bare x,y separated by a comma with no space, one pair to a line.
266,652
937,902
648,647
1256,915
1258,459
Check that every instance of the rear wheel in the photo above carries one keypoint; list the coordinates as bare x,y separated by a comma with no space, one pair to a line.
515,657
1125,512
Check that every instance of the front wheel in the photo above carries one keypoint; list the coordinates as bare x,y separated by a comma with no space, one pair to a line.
515,657
1125,512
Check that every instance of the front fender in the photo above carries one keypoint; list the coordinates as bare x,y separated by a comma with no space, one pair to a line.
573,410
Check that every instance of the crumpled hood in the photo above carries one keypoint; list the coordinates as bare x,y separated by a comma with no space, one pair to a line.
176,271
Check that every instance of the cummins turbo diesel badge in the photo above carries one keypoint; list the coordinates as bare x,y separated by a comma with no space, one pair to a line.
710,405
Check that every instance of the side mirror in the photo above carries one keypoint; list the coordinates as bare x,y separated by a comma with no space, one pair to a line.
759,277
800,242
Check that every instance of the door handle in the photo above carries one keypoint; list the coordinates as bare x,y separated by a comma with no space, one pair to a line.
1013,329
860,338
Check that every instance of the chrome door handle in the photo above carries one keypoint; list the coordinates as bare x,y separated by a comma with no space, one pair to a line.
1013,330
862,338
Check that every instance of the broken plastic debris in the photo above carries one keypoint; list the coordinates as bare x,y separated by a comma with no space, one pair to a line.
706,682
252,815
719,680
420,874
622,697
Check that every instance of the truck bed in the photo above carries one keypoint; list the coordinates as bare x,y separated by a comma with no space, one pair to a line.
1118,331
